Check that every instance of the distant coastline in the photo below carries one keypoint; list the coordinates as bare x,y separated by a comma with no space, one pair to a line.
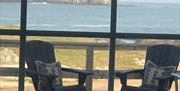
85,2
9,1
103,2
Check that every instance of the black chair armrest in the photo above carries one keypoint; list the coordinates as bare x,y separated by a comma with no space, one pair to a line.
141,71
176,75
30,73
76,71
124,75
82,75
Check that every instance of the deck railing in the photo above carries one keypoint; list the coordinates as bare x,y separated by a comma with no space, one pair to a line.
89,47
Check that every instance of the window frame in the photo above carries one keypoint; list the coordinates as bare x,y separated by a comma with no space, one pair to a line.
112,35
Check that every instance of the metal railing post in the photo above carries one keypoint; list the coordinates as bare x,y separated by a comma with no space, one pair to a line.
89,67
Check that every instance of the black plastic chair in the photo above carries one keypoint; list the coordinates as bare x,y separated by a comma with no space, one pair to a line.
40,50
161,55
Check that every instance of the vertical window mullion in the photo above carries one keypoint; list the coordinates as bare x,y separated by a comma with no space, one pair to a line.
22,44
112,45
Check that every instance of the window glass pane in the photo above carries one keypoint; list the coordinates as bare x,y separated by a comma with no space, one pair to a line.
148,16
9,61
74,53
75,15
131,53
9,14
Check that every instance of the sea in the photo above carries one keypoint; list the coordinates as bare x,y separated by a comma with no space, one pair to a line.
131,17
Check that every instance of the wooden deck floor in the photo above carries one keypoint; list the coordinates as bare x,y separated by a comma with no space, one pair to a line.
98,85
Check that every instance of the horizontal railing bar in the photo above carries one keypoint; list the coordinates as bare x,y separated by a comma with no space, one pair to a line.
82,45
98,74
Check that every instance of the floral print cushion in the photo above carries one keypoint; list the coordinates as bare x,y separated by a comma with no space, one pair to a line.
153,71
48,68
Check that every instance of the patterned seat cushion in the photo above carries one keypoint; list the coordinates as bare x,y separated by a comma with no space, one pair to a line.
153,71
49,68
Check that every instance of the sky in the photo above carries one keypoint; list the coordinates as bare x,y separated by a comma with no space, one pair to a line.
153,1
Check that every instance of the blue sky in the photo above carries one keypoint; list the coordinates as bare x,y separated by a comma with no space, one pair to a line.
152,1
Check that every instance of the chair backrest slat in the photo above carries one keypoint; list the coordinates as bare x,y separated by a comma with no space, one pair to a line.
164,55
